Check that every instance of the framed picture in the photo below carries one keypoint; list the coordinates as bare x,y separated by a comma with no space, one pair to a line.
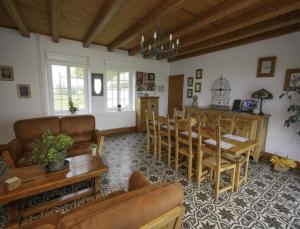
189,93
139,81
6,73
197,87
190,81
24,91
292,79
97,84
266,66
151,86
151,76
199,73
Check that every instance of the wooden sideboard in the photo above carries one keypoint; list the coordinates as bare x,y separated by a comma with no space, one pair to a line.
149,103
260,128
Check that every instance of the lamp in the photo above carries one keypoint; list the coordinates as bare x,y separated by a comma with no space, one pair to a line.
262,94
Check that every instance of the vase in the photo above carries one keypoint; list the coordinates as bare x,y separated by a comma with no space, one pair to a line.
281,169
119,109
59,164
94,151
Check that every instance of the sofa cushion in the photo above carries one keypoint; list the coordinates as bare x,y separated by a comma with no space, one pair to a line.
132,209
28,129
80,128
79,148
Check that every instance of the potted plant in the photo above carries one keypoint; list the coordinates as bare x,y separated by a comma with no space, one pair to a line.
94,148
282,164
119,107
72,108
50,151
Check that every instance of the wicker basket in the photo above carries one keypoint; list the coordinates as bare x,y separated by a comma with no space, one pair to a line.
281,169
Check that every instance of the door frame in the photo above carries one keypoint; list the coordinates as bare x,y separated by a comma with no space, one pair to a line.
170,112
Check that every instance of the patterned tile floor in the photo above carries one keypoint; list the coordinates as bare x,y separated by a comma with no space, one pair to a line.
269,199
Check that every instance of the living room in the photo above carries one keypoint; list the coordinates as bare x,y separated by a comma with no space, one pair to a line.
90,70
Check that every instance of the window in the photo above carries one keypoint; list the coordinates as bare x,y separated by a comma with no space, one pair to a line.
118,89
67,82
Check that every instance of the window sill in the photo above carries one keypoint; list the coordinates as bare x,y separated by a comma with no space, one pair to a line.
115,111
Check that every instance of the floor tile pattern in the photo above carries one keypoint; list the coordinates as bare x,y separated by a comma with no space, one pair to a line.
270,199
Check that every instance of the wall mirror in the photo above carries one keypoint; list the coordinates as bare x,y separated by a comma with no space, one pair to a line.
97,84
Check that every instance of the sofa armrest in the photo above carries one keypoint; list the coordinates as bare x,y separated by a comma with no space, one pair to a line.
11,151
137,180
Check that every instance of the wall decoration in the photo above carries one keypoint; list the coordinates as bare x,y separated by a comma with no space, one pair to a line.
24,91
145,81
199,73
197,87
220,94
97,84
266,66
6,73
190,81
160,88
189,93
292,79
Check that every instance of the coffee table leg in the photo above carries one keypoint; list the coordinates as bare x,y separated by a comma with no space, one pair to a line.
14,214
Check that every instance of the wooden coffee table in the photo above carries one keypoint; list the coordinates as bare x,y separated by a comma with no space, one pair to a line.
36,181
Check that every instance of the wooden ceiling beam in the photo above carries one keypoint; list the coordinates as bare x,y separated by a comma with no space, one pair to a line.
215,13
267,26
10,7
111,7
153,17
55,18
267,35
274,9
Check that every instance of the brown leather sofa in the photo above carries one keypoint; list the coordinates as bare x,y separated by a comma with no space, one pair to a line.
80,127
143,206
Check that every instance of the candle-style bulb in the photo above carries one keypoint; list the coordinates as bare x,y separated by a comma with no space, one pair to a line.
171,36
143,38
177,41
154,35
149,46
162,47
173,45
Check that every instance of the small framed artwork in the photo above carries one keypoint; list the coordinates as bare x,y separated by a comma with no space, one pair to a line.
266,66
97,84
197,87
24,91
292,79
199,73
6,73
151,87
151,76
190,81
189,93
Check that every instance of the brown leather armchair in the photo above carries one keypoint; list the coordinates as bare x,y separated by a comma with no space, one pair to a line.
143,206
81,128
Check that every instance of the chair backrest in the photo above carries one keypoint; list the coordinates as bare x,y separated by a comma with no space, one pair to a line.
245,127
211,119
163,126
150,122
226,123
214,134
183,125
178,114
193,114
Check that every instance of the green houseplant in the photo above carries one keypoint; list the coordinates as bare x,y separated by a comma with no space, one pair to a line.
72,108
294,109
50,151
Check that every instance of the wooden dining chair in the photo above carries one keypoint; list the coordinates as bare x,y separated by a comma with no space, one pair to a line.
226,123
216,163
151,125
164,136
211,120
243,127
178,114
185,148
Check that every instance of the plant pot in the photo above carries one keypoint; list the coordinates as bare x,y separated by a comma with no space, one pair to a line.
119,109
94,151
56,166
281,169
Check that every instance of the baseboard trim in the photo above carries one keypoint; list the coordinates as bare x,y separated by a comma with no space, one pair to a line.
267,156
118,130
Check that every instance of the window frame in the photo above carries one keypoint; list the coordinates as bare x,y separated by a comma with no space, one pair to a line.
119,70
50,86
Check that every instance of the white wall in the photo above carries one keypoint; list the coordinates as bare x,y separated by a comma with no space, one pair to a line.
239,65
25,55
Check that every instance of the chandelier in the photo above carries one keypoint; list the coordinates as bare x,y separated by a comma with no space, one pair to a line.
160,47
